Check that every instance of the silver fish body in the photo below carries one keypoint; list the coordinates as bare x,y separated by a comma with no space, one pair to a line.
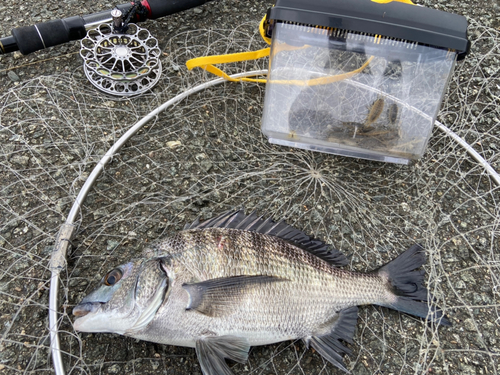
238,281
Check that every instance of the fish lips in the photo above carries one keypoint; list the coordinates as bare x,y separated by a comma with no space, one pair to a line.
87,307
87,314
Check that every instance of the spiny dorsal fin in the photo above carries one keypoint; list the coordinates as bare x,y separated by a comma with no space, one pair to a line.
237,219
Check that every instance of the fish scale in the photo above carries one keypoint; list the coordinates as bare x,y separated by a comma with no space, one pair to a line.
328,289
238,281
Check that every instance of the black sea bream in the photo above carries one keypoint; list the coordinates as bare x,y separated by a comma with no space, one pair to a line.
236,281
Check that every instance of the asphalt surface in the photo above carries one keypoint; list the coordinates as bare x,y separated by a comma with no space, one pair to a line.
54,128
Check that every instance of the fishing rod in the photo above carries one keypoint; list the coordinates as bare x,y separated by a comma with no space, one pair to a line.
119,57
28,39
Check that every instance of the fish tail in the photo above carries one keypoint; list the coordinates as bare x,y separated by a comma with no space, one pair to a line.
405,282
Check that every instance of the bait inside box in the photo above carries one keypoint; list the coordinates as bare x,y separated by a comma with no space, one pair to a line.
358,78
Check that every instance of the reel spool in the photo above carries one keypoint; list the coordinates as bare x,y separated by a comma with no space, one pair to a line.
124,63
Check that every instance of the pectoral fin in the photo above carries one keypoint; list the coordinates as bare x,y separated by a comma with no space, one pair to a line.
218,297
212,352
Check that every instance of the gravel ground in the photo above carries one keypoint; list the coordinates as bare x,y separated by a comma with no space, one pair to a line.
207,155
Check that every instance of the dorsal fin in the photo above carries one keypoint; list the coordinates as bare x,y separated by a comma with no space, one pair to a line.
237,219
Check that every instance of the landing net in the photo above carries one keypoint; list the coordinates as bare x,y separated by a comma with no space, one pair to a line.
206,154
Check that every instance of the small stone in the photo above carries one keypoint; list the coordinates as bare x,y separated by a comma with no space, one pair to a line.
206,165
111,244
198,10
115,369
463,252
460,285
20,160
13,76
99,213
60,205
469,325
173,144
78,282
109,104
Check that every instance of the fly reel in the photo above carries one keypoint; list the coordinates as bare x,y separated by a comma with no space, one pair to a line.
121,61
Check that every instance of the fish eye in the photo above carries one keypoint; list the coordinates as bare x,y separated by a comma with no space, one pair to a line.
113,277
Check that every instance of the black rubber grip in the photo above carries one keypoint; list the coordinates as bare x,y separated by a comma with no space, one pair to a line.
161,8
43,35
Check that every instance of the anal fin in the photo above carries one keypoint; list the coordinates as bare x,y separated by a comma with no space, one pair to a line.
329,346
212,352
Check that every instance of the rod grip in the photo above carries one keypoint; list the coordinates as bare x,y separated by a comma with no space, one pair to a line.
161,8
47,34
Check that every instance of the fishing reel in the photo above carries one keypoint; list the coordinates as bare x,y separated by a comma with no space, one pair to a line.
121,58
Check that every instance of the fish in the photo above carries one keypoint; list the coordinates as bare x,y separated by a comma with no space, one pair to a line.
375,111
235,281
392,113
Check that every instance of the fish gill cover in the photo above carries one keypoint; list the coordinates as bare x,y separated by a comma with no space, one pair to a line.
208,155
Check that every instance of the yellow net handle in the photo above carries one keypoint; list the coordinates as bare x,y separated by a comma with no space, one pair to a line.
207,62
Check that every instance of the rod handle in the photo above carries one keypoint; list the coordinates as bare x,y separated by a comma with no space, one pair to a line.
47,34
162,8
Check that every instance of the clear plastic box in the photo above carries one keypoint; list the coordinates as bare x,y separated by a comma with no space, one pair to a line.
353,93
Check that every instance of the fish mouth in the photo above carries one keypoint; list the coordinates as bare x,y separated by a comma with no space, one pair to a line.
84,308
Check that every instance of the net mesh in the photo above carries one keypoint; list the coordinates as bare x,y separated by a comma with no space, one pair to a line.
207,155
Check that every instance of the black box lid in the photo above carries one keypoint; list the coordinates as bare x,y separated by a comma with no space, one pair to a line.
395,19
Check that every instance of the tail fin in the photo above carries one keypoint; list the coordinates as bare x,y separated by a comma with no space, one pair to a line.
406,283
